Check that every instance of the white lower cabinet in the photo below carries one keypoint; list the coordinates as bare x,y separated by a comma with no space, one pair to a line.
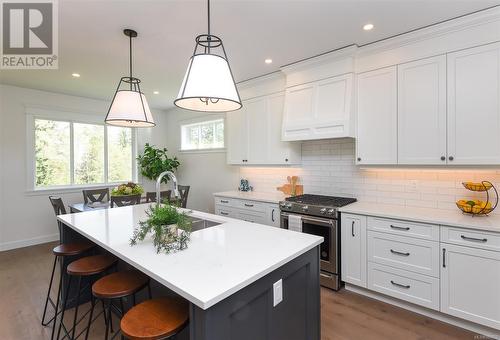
470,284
248,210
452,270
353,241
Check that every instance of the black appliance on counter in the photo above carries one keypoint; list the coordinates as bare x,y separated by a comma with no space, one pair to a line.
319,216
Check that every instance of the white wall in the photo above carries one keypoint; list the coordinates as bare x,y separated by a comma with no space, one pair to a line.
26,217
205,172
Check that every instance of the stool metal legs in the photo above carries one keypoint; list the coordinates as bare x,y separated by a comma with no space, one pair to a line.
48,295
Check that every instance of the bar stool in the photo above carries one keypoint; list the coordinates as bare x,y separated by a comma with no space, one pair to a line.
84,267
116,286
155,319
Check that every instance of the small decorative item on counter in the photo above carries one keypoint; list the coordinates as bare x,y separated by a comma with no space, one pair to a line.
127,189
478,207
245,185
292,188
171,229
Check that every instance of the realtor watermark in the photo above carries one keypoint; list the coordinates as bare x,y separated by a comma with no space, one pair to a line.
29,36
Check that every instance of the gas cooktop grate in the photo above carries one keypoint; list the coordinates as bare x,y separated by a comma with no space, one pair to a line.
330,201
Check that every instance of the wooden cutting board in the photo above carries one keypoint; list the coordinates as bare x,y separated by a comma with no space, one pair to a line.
287,189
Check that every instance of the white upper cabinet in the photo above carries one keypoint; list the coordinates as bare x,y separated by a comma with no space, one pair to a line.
377,117
320,109
254,133
422,111
474,105
237,136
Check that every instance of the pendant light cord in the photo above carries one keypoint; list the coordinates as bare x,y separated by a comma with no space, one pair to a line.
208,22
130,60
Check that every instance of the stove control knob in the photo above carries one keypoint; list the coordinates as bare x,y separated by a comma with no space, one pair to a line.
331,211
289,205
305,208
283,204
322,211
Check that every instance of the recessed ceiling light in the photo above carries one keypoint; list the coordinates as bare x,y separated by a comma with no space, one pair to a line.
368,27
268,61
76,75
156,92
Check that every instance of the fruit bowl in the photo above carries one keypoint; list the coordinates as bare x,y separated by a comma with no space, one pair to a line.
480,186
475,207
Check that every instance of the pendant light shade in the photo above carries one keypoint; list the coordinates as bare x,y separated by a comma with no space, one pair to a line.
208,84
129,107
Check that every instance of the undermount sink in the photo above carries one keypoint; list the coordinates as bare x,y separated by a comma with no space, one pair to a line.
199,223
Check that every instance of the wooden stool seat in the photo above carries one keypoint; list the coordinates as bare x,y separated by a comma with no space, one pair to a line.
91,265
155,319
70,249
119,284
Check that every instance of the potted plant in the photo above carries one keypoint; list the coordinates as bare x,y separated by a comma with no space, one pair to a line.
171,229
154,161
127,190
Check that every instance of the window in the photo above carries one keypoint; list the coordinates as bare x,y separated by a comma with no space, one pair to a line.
70,153
203,135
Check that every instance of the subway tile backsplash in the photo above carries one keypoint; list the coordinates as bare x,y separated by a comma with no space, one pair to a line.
328,168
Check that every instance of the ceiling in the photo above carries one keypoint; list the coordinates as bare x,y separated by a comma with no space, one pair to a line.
91,41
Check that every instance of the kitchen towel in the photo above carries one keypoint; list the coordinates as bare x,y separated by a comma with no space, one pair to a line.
295,223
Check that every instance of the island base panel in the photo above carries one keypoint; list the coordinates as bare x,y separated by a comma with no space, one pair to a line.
249,313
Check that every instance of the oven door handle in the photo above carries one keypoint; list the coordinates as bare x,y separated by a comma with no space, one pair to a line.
317,220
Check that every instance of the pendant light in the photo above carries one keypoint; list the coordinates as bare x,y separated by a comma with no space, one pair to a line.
208,84
129,107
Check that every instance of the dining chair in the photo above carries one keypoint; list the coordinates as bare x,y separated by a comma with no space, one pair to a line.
122,201
183,192
95,195
151,196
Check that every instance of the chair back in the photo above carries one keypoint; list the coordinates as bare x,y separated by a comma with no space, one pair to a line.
121,201
183,192
95,195
57,205
151,196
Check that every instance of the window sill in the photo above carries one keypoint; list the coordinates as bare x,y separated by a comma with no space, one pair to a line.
69,189
194,151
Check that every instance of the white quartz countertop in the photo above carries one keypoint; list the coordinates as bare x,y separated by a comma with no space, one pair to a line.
218,262
269,197
425,215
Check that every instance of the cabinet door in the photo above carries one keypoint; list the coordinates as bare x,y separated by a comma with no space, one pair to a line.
258,130
422,111
377,117
470,281
474,105
278,152
299,112
353,236
237,136
273,215
333,107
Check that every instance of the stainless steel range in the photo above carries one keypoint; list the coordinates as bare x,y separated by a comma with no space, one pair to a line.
318,215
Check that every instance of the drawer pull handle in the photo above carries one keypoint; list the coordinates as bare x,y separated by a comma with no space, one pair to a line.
400,228
224,201
248,205
399,253
224,213
400,285
474,239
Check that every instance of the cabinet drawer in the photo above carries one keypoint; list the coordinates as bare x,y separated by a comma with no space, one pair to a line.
225,211
404,228
471,238
254,217
419,256
225,201
251,206
415,288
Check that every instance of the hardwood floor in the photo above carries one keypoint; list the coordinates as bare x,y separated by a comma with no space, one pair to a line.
24,279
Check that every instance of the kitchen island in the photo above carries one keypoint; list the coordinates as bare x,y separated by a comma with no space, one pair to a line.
227,273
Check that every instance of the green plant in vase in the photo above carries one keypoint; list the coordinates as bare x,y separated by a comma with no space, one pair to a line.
171,229
154,161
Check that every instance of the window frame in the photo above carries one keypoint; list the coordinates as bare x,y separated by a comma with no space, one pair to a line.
200,121
33,113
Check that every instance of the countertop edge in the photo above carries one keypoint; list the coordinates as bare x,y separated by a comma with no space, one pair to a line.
238,195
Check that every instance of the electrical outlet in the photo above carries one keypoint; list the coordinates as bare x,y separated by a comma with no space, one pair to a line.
277,292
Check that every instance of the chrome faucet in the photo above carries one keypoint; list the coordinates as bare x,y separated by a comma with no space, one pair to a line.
158,182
